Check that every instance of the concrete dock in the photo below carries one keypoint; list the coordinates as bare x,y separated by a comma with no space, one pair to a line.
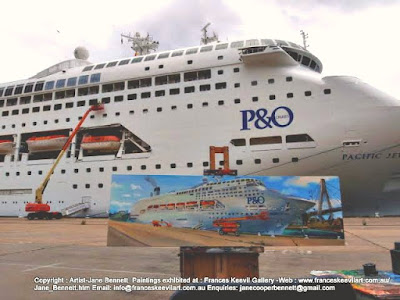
66,248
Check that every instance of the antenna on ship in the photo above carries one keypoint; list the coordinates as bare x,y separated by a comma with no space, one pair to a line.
141,45
208,39
304,35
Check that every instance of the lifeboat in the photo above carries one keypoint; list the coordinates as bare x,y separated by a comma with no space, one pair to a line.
171,206
191,204
6,146
46,143
207,203
180,205
163,206
101,143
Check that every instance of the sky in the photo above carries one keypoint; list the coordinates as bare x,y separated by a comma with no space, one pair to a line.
356,37
128,189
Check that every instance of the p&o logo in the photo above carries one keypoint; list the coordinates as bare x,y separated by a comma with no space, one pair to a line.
281,116
256,200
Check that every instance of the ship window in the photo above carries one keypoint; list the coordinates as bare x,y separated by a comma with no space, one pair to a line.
25,111
38,98
94,90
295,159
1,103
160,66
189,165
145,95
190,106
81,103
9,91
191,51
74,186
111,64
238,142
327,91
317,68
313,64
118,98
159,109
28,88
205,163
271,81
237,44
99,66
220,57
137,60
60,95
289,95
254,99
83,91
132,97
190,62
220,85
174,91
119,86
158,166
143,167
88,170
40,172
4,113
266,140
95,78
69,105
205,104
150,57
205,87
239,162
57,107
253,42
177,53
70,93
19,88
257,161
11,102
173,166
83,79
173,107
67,120
107,88
189,89
275,160
92,102
49,85
254,82
307,93
25,100
163,55
221,46
36,109
221,102
87,68
160,80
101,169
298,138
220,72
289,78
100,185
15,112
114,169
305,61
59,84
129,168
70,82
206,49
87,185
131,112
160,93
46,108
271,97
1,92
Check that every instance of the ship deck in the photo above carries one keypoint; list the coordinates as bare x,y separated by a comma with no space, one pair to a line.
65,248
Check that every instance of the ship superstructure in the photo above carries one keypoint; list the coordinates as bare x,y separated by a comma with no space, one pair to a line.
264,98
254,207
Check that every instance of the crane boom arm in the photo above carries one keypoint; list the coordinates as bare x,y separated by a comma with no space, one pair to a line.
43,185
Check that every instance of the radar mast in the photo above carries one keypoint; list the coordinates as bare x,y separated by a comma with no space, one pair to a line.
208,39
141,45
304,35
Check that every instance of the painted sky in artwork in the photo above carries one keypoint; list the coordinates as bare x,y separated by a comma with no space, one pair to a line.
128,189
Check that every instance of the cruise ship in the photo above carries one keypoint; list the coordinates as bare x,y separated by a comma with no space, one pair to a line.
264,98
245,204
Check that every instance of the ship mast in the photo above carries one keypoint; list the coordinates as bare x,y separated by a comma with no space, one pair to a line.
208,39
304,35
141,45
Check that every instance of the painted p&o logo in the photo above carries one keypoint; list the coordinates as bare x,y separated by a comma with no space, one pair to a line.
281,116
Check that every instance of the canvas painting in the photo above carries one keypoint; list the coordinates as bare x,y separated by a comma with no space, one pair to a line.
173,210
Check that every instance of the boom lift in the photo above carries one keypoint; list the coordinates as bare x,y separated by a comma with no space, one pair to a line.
219,172
41,210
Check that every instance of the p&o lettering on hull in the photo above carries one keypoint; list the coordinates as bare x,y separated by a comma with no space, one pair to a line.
281,116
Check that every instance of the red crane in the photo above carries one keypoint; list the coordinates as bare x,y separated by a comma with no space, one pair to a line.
41,210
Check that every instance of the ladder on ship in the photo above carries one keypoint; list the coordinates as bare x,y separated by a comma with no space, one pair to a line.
74,208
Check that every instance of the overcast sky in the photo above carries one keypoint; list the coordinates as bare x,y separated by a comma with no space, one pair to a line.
350,37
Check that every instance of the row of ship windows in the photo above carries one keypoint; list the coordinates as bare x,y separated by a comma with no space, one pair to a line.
268,140
157,166
176,53
145,95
